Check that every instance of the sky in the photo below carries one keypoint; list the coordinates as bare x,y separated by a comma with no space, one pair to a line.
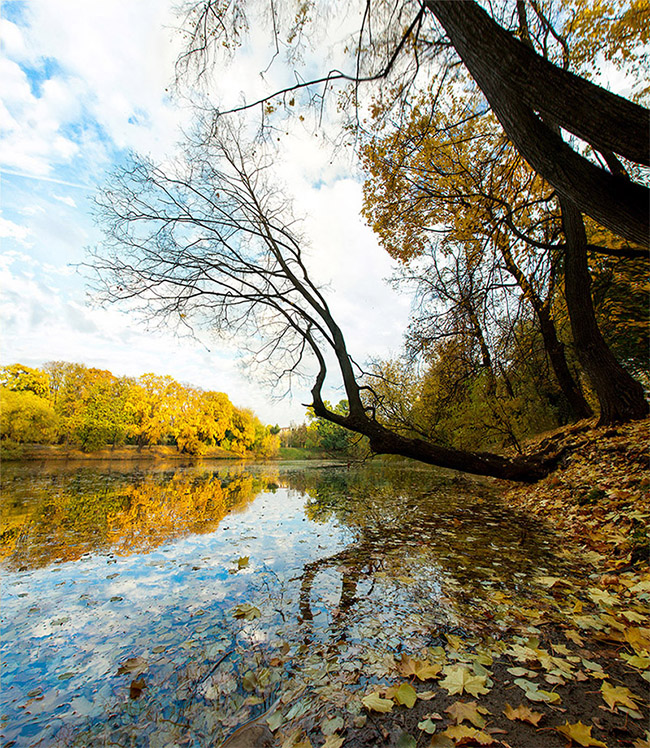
81,84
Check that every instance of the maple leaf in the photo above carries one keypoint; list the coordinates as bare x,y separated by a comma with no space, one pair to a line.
639,639
461,711
523,713
613,695
460,679
406,695
580,734
421,669
462,734
374,702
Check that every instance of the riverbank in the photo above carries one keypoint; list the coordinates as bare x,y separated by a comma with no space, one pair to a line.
131,453
564,664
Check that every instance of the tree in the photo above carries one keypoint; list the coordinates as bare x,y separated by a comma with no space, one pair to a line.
21,378
533,100
210,242
26,417
446,188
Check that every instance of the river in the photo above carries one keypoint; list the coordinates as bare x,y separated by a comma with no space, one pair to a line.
165,605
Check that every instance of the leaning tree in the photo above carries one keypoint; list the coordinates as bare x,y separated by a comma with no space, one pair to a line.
210,241
535,101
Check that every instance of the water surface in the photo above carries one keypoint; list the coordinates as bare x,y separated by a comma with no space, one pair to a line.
214,587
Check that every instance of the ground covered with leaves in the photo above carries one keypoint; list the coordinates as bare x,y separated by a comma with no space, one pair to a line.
566,663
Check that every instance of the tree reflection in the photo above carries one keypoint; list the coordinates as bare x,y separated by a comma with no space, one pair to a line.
60,518
448,537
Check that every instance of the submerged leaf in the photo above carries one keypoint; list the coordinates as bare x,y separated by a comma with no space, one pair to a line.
133,666
246,611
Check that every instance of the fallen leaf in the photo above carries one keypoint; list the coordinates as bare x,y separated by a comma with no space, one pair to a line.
580,734
639,639
523,713
375,703
333,741
133,666
246,611
460,679
461,711
427,726
136,688
406,741
613,695
406,695
421,669
330,726
242,562
275,720
462,735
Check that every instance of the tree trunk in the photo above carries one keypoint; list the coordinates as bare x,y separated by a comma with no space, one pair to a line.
589,111
555,351
525,469
552,345
512,78
621,398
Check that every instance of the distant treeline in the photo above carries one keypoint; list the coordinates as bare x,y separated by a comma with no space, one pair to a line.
66,403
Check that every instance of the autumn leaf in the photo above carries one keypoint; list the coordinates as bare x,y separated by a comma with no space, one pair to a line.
427,726
133,666
333,741
580,734
460,679
421,669
375,703
136,688
242,562
639,639
461,711
330,726
406,695
535,693
523,713
246,611
613,695
462,735
275,720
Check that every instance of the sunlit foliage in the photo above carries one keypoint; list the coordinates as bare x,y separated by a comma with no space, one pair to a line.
91,408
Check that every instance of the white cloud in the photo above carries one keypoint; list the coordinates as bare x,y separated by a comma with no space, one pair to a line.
11,230
66,200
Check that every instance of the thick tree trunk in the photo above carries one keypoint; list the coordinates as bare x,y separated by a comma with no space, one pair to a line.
621,398
589,111
518,83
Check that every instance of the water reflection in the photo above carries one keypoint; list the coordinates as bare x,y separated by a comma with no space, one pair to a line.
52,517
104,567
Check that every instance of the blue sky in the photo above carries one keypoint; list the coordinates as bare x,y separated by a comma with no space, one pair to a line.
84,82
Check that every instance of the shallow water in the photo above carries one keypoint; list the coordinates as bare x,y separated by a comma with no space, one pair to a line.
212,588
